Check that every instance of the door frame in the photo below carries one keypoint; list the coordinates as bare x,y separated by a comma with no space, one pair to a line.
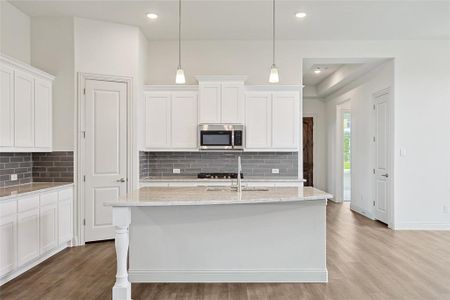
341,149
390,153
339,152
79,207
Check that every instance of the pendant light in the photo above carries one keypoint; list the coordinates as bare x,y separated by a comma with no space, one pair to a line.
179,79
273,77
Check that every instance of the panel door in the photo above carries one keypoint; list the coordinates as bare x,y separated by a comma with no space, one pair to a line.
157,120
184,120
232,105
381,144
48,227
105,154
65,233
258,120
28,235
43,114
209,103
23,109
285,120
6,107
8,243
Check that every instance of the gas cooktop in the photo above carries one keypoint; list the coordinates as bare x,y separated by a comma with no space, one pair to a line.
218,175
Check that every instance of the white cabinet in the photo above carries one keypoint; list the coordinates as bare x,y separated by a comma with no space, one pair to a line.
65,227
184,121
6,106
25,107
8,236
28,229
272,121
171,120
221,101
48,221
157,120
258,120
43,114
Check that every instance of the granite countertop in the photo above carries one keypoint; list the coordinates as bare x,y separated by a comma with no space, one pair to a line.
193,178
29,188
173,196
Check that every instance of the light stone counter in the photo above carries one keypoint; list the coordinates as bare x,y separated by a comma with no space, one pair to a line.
169,196
20,190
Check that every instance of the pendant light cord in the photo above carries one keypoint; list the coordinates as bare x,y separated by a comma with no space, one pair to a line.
179,33
273,31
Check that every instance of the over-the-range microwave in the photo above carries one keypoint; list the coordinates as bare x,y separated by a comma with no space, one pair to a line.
221,136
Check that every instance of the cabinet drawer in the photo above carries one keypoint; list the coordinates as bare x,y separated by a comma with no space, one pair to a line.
8,208
49,198
28,203
65,194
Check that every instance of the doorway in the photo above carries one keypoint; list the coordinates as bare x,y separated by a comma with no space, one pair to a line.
346,155
103,151
308,151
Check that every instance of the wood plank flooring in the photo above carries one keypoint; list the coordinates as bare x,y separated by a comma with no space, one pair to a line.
366,260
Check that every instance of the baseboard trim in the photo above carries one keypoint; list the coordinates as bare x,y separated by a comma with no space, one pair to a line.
270,275
361,211
422,226
22,269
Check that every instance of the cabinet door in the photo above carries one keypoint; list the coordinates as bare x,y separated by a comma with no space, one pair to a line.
232,103
6,107
65,216
209,103
285,120
157,120
23,109
8,243
257,120
28,235
184,120
43,114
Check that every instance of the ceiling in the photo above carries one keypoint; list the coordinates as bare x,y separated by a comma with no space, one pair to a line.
251,20
311,78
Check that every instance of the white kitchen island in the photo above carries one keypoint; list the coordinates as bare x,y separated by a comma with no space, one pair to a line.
195,234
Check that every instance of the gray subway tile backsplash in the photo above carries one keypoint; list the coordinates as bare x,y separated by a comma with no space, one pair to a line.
191,163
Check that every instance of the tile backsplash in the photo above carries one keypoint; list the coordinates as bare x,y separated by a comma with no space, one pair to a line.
36,167
191,163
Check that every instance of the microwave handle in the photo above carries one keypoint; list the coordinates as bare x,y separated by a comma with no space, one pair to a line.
232,139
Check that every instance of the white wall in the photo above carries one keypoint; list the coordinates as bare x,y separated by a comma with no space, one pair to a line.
52,50
15,32
315,107
422,90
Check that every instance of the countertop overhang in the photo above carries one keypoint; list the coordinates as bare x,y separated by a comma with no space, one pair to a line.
178,196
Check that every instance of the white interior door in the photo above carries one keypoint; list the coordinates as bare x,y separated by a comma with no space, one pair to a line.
381,170
105,155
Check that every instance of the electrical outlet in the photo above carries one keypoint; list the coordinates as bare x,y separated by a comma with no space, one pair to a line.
13,177
176,171
445,209
275,171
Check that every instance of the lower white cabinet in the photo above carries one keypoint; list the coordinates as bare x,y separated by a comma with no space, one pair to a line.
32,228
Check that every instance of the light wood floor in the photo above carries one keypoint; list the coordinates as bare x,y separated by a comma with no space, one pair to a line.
365,261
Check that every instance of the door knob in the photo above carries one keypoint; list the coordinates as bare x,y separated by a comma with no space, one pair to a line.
120,180
385,175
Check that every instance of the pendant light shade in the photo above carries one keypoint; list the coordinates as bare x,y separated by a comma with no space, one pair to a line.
179,78
273,77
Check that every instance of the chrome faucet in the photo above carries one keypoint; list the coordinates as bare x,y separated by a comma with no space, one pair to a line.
239,183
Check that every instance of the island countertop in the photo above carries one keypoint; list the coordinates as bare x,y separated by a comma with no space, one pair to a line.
173,196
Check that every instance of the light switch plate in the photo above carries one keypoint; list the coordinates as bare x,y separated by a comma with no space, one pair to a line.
13,177
176,171
403,152
275,171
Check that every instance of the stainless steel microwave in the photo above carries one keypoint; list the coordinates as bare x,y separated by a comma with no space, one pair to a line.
221,136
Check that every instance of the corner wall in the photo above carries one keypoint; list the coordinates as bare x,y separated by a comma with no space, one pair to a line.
15,32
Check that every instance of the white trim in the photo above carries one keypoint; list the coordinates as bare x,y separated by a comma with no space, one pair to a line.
256,275
22,269
25,67
79,212
359,210
273,88
422,226
170,87
221,78
339,153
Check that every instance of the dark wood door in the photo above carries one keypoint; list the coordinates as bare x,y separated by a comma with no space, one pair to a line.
308,144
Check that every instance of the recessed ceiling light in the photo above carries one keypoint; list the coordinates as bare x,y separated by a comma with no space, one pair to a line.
152,16
300,14
317,71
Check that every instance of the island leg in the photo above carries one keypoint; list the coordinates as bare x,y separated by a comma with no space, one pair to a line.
121,220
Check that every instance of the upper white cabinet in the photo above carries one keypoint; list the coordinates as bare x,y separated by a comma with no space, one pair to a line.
25,107
272,121
171,120
221,99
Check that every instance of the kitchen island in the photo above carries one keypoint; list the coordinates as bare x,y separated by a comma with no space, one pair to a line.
201,234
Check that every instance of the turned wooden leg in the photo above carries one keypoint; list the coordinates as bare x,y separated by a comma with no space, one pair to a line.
121,219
